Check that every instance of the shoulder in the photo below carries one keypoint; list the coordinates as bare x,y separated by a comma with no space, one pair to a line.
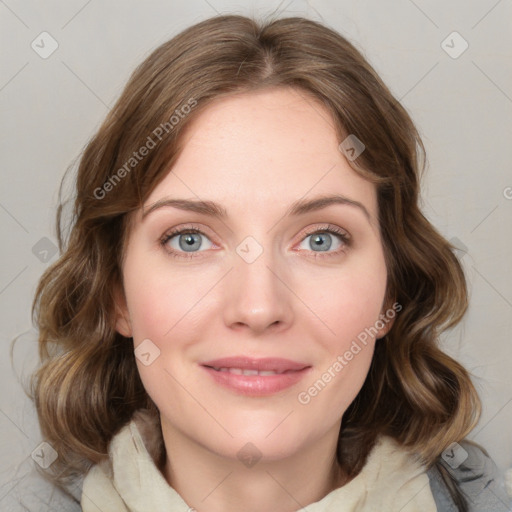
475,474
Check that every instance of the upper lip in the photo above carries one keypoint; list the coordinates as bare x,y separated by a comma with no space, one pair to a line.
261,364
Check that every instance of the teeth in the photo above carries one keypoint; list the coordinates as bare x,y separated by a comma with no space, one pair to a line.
249,372
240,371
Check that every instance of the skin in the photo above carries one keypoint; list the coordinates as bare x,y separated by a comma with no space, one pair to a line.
255,154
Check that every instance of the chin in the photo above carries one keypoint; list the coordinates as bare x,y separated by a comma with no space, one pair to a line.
275,436
249,450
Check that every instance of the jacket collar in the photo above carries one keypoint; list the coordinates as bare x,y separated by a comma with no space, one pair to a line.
392,479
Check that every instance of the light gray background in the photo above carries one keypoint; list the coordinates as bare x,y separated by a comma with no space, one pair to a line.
462,107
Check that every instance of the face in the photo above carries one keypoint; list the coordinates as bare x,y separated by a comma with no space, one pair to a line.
254,316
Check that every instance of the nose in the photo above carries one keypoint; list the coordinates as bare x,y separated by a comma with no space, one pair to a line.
258,297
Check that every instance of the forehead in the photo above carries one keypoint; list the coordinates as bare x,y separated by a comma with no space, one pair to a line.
263,150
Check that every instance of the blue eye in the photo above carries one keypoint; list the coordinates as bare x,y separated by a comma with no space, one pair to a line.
182,241
324,239
188,242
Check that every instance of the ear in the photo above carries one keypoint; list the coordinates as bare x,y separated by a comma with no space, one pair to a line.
387,318
122,316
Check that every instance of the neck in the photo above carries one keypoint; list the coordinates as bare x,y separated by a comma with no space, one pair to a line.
210,482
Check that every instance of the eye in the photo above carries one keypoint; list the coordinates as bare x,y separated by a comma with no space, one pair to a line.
184,242
187,242
323,240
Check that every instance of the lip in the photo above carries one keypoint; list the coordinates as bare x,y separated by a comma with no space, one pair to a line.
289,373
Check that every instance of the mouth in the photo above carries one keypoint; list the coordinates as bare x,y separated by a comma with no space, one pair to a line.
255,377
242,371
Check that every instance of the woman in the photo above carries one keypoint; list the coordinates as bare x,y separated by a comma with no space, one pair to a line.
248,305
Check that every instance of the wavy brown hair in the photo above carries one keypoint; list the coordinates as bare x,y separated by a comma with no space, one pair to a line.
88,387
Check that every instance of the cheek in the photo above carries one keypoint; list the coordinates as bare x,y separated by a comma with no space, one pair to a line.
166,307
346,352
353,308
158,299
351,301
358,306
161,311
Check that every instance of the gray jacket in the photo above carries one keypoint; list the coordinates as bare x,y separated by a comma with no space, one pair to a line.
477,477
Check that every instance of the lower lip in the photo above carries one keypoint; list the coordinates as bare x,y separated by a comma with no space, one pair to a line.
257,385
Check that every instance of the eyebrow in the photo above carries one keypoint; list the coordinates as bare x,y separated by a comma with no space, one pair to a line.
299,207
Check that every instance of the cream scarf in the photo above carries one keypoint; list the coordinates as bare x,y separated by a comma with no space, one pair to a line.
129,481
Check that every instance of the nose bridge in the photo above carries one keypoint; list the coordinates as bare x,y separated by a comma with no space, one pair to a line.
257,296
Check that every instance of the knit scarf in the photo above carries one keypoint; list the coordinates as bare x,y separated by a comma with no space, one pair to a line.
392,480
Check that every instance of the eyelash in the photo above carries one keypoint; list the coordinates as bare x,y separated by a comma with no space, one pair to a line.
333,230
